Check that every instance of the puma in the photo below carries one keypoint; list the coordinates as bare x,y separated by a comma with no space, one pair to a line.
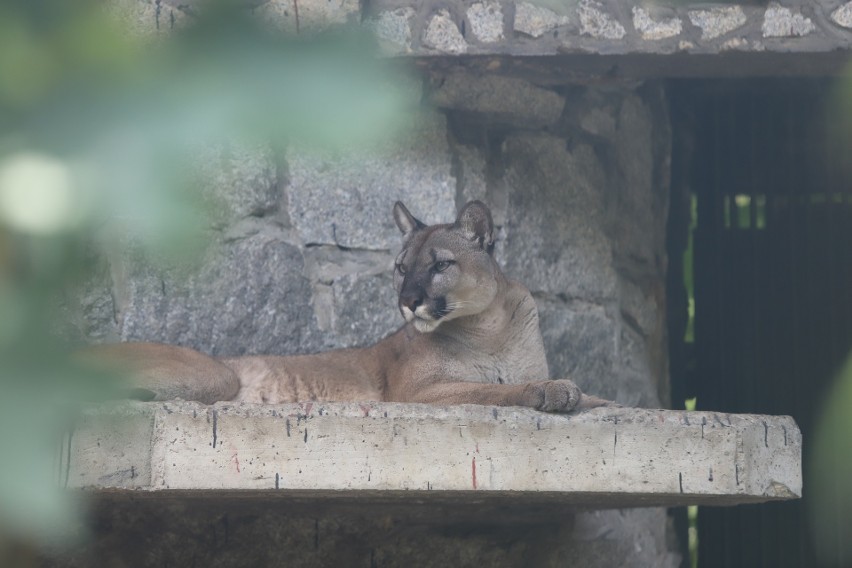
471,337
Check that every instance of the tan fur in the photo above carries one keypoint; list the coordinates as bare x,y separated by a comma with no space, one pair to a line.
471,337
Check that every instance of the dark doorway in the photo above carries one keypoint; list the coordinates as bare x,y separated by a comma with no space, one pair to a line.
772,253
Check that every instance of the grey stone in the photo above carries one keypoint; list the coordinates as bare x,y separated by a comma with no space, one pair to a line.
347,471
581,224
718,21
639,306
597,114
247,296
88,309
486,21
239,180
393,29
354,297
556,243
586,27
595,21
346,199
735,44
147,19
536,21
509,99
308,15
97,316
843,15
655,29
631,212
628,538
364,449
327,263
779,21
443,34
580,342
365,309
313,534
598,121
472,183
631,371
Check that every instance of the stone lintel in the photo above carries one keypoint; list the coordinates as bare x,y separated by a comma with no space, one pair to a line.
587,69
817,32
405,453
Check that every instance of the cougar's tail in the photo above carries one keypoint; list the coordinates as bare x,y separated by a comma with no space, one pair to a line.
589,401
164,372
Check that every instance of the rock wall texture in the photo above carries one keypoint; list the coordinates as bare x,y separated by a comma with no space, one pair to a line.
301,251
297,533
300,259
546,27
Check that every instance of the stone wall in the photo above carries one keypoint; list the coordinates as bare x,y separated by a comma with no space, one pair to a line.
549,27
300,257
301,252
546,27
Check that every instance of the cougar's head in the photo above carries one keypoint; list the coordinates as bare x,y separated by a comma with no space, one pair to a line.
447,271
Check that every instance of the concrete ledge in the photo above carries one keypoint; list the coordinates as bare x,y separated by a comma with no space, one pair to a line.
420,453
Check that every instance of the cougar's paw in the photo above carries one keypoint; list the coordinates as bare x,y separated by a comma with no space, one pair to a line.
555,396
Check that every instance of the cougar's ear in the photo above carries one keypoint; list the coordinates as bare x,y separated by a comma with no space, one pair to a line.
405,220
475,224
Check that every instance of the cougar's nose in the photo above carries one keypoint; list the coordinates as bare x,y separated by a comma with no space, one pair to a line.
410,300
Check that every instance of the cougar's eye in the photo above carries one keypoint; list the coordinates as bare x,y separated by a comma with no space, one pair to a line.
401,269
442,265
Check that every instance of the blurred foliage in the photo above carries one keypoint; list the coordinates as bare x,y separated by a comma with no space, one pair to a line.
839,123
689,271
830,472
98,127
829,469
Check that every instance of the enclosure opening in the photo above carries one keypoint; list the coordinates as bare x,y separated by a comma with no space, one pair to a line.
762,318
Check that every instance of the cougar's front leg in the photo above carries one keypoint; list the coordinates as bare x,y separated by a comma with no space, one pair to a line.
549,396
